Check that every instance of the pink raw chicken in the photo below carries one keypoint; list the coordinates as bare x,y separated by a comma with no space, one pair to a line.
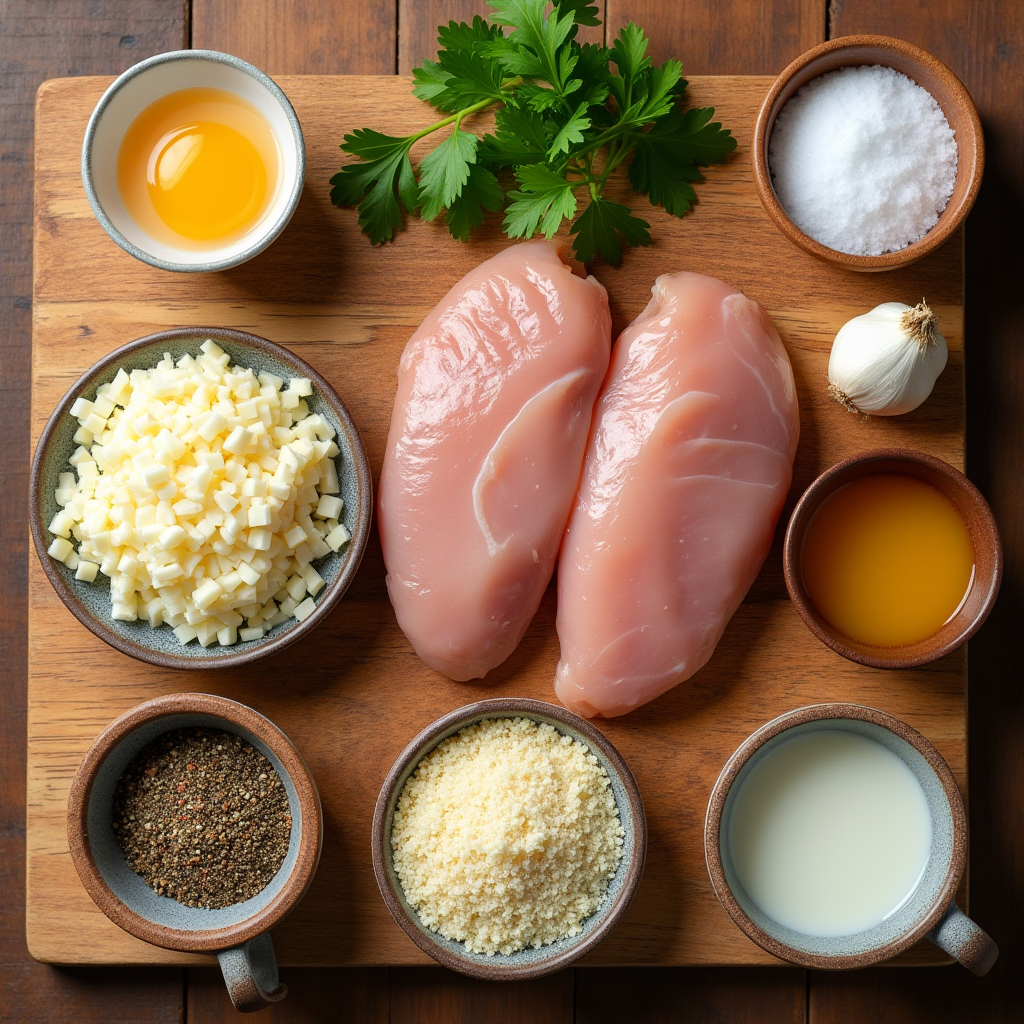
495,395
688,464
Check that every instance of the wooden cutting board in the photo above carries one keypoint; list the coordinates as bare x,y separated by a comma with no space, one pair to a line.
353,694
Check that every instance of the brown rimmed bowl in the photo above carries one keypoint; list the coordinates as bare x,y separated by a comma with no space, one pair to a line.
929,912
527,963
928,72
973,509
239,934
90,602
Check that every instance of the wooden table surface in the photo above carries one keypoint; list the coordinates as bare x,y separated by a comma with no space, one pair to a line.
983,41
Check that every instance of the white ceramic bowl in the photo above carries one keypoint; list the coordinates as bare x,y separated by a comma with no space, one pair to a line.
145,83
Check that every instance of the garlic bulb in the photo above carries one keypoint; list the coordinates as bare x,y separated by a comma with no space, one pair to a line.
886,362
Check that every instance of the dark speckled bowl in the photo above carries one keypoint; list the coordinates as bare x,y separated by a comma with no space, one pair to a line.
90,602
527,963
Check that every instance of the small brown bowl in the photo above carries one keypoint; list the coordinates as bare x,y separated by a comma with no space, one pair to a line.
90,602
974,510
928,72
527,963
240,934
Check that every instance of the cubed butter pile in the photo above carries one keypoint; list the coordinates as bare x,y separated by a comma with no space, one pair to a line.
205,492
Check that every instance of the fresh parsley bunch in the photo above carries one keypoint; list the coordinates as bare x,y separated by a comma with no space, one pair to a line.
565,122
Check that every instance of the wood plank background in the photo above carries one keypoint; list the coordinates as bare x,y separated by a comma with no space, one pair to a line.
983,42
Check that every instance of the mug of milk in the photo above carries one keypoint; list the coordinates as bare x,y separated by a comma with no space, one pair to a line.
836,836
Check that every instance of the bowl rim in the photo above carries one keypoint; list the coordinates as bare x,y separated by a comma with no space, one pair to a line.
890,460
273,230
729,774
425,741
334,591
762,175
310,835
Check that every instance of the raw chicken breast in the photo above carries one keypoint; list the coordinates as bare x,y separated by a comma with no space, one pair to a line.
495,395
688,464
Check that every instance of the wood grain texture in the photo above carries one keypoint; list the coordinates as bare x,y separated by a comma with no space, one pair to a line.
670,995
727,37
426,995
349,309
38,40
295,37
315,995
983,44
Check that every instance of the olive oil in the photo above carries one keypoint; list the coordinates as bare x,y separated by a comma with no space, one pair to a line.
887,559
198,168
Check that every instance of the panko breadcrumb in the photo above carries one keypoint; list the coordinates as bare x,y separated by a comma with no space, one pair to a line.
506,836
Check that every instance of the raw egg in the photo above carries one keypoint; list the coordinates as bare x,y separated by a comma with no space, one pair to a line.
198,168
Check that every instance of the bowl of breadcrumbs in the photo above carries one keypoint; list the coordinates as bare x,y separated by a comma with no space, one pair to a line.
508,838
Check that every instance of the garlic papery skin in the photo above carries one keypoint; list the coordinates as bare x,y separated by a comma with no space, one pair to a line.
886,362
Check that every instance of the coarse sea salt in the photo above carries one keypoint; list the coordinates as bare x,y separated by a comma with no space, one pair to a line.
863,160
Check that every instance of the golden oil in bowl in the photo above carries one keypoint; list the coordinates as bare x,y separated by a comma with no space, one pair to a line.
198,168
887,559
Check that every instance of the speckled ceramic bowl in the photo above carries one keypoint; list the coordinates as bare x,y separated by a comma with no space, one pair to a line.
930,911
90,602
148,81
528,963
239,934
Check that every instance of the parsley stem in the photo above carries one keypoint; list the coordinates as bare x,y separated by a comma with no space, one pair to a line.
457,117
454,118
615,158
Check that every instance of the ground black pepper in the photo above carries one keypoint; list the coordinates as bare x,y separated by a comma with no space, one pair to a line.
203,817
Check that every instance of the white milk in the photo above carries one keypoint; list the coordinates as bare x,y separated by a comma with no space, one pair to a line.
830,833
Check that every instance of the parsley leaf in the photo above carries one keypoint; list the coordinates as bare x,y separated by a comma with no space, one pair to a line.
629,54
429,83
444,171
461,75
581,10
536,38
520,138
668,156
480,192
570,132
597,231
373,184
545,199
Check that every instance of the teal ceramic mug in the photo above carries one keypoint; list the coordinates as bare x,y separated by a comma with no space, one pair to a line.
740,828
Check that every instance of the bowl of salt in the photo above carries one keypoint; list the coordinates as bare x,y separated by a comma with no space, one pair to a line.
868,152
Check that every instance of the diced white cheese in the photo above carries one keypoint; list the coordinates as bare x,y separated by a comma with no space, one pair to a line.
329,507
194,488
61,525
60,548
86,571
338,537
172,537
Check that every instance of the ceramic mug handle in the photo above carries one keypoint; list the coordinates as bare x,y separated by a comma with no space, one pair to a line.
959,936
250,973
